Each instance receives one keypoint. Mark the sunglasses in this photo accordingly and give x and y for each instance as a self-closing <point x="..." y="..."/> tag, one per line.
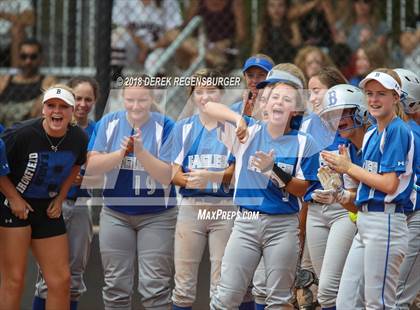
<point x="365" y="1"/>
<point x="24" y="56"/>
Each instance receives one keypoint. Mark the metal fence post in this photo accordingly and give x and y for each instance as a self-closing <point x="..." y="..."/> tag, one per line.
<point x="103" y="52"/>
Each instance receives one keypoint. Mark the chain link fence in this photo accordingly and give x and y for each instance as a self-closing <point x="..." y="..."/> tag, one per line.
<point x="111" y="39"/>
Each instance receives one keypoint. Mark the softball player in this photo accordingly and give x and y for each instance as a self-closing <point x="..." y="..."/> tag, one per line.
<point x="348" y="113"/>
<point x="409" y="282"/>
<point x="329" y="231"/>
<point x="138" y="218"/>
<point x="255" y="70"/>
<point x="77" y="217"/>
<point x="274" y="235"/>
<point x="203" y="172"/>
<point x="45" y="156"/>
<point x="385" y="187"/>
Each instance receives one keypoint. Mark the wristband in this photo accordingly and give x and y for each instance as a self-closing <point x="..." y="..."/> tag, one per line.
<point x="280" y="177"/>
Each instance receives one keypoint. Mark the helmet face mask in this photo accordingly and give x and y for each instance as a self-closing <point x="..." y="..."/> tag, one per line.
<point x="338" y="120"/>
<point x="342" y="103"/>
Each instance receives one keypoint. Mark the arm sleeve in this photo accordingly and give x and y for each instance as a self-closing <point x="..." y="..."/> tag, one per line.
<point x="165" y="153"/>
<point x="395" y="147"/>
<point x="308" y="162"/>
<point x="98" y="139"/>
<point x="227" y="134"/>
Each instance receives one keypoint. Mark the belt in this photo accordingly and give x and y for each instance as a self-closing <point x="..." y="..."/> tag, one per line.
<point x="389" y="208"/>
<point x="210" y="200"/>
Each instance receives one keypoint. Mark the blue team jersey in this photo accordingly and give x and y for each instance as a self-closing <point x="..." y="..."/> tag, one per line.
<point x="294" y="153"/>
<point x="391" y="150"/>
<point x="415" y="198"/>
<point x="1" y="128"/>
<point x="195" y="147"/>
<point x="130" y="180"/>
<point x="325" y="140"/>
<point x="237" y="107"/>
<point x="76" y="191"/>
<point x="4" y="167"/>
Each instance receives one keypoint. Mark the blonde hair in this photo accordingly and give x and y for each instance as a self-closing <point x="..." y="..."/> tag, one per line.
<point x="300" y="58"/>
<point x="295" y="71"/>
<point x="376" y="54"/>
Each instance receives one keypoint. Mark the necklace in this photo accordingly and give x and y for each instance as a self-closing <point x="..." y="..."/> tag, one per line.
<point x="54" y="148"/>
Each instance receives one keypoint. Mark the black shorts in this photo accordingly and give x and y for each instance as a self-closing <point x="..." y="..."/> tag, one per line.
<point x="42" y="226"/>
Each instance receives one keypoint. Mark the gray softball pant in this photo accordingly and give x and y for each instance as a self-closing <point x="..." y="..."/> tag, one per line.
<point x="78" y="222"/>
<point x="191" y="236"/>
<point x="259" y="286"/>
<point x="371" y="272"/>
<point x="275" y="239"/>
<point x="329" y="235"/>
<point x="149" y="238"/>
<point x="409" y="282"/>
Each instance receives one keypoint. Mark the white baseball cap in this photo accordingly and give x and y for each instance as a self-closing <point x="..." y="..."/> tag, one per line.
<point x="385" y="79"/>
<point x="59" y="93"/>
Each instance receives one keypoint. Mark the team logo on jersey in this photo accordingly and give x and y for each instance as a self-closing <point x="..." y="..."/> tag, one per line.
<point x="371" y="166"/>
<point x="131" y="163"/>
<point x="322" y="162"/>
<point x="400" y="163"/>
<point x="251" y="164"/>
<point x="206" y="161"/>
<point x="29" y="173"/>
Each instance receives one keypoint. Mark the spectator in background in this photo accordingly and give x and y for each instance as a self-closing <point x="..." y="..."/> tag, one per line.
<point x="20" y="94"/>
<point x="410" y="48"/>
<point x="368" y="57"/>
<point x="15" y="17"/>
<point x="255" y="70"/>
<point x="276" y="36"/>
<point x="310" y="59"/>
<point x="224" y="21"/>
<point x="362" y="25"/>
<point x="141" y="29"/>
<point x="316" y="21"/>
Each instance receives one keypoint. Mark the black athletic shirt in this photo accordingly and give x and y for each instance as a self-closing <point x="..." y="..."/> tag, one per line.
<point x="21" y="92"/>
<point x="35" y="169"/>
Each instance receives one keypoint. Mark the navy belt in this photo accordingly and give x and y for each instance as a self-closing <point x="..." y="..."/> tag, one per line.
<point x="389" y="208"/>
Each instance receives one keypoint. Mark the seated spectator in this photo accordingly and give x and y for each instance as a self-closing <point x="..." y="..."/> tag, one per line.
<point x="410" y="48"/>
<point x="224" y="22"/>
<point x="368" y="57"/>
<point x="310" y="59"/>
<point x="316" y="21"/>
<point x="20" y="94"/>
<point x="362" y="25"/>
<point x="276" y="36"/>
<point x="141" y="29"/>
<point x="15" y="17"/>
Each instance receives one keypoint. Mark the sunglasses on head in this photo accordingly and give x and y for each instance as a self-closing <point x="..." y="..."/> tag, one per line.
<point x="24" y="56"/>
<point x="365" y="1"/>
